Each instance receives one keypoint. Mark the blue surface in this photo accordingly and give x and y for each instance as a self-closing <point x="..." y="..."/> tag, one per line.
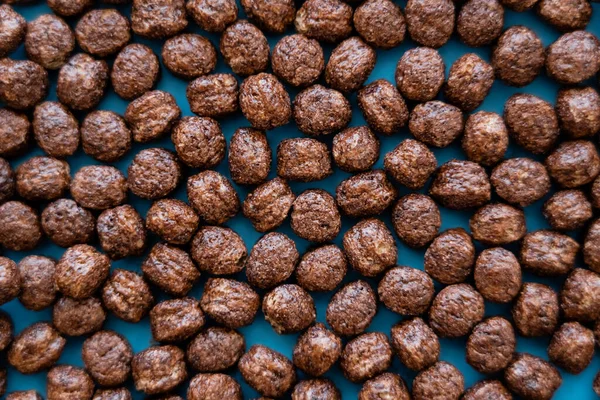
<point x="260" y="332"/>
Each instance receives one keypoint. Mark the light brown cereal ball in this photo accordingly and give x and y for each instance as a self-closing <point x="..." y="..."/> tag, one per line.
<point x="480" y="22"/>
<point x="498" y="224"/>
<point x="171" y="269"/>
<point x="380" y="23"/>
<point x="213" y="15"/>
<point x="321" y="111"/>
<point x="49" y="41"/>
<point x="268" y="205"/>
<point x="213" y="197"/>
<point x="38" y="289"/>
<point x="578" y="111"/>
<point x="265" y="102"/>
<point x="36" y="348"/>
<point x="66" y="381"/>
<point x="430" y="22"/>
<point x="355" y="149"/>
<point x="78" y="317"/>
<point x="82" y="82"/>
<point x="146" y="22"/>
<point x="420" y="74"/>
<point x="417" y="346"/>
<point x="370" y="247"/>
<point x="520" y="181"/>
<point x="105" y="136"/>
<point x="289" y="309"/>
<point x="317" y="350"/>
<point x="218" y="251"/>
<point x="267" y="371"/>
<point x="406" y="291"/>
<point x="349" y="65"/>
<point x="491" y="345"/>
<point x="42" y="178"/>
<point x="535" y="312"/>
<point x="158" y="369"/>
<point x="497" y="275"/>
<point x="272" y="260"/>
<point x="249" y="157"/>
<point x="315" y="216"/>
<point x="460" y="185"/>
<point x="229" y="302"/>
<point x="272" y="16"/>
<point x="574" y="164"/>
<point x="135" y="71"/>
<point x="531" y="377"/>
<point x="573" y="57"/>
<point x="485" y="138"/>
<point x="173" y="220"/>
<point x="324" y="20"/>
<point x="298" y="60"/>
<point x="567" y="210"/>
<point x="20" y="228"/>
<point x="244" y="48"/>
<point x="214" y="95"/>
<point x="366" y="356"/>
<point x="382" y="106"/>
<point x="572" y="347"/>
<point x="441" y="380"/>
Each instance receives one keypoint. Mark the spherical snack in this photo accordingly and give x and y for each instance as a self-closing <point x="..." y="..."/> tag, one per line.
<point x="135" y="71"/>
<point x="430" y="22"/>
<point x="159" y="369"/>
<point x="520" y="181"/>
<point x="78" y="317"/>
<point x="531" y="377"/>
<point x="38" y="290"/>
<point x="485" y="138"/>
<point x="102" y="32"/>
<point x="456" y="310"/>
<point x="370" y="247"/>
<point x="265" y="102"/>
<point x="460" y="185"/>
<point x="591" y="246"/>
<point x="20" y="228"/>
<point x="480" y="22"/>
<point x="567" y="15"/>
<point x="36" y="348"/>
<point x="69" y="8"/>
<point x="572" y="347"/>
<point x="491" y="345"/>
<point x="519" y="56"/>
<point x="7" y="181"/>
<point x="153" y="173"/>
<point x="315" y="216"/>
<point x="66" y="381"/>
<point x="324" y="20"/>
<point x="436" y="123"/>
<point x="105" y="136"/>
<point x="382" y="106"/>
<point x="498" y="224"/>
<point x="127" y="295"/>
<point x="249" y="156"/>
<point x="171" y="269"/>
<point x="42" y="179"/>
<point x="578" y="111"/>
<point x="10" y="280"/>
<point x="440" y="381"/>
<point x="380" y="23"/>
<point x="535" y="311"/>
<point x="349" y="65"/>
<point x="488" y="389"/>
<point x="450" y="257"/>
<point x="214" y="387"/>
<point x="176" y="320"/>
<point x="322" y="269"/>
<point x="497" y="275"/>
<point x="272" y="16"/>
<point x="420" y="74"/>
<point x="574" y="164"/>
<point x="112" y="394"/>
<point x="267" y="371"/>
<point x="6" y="330"/>
<point x="189" y="55"/>
<point x="229" y="302"/>
<point x="214" y="95"/>
<point x="580" y="295"/>
<point x="272" y="260"/>
<point x="289" y="309"/>
<point x="67" y="224"/>
<point x="567" y="210"/>
<point x="24" y="83"/>
<point x="297" y="60"/>
<point x="355" y="149"/>
<point x="321" y="111"/>
<point x="268" y="205"/>
<point x="411" y="164"/>
<point x="417" y="346"/>
<point x="215" y="349"/>
<point x="13" y="28"/>
<point x="82" y="82"/>
<point x="199" y="142"/>
<point x="213" y="197"/>
<point x="366" y="356"/>
<point x="28" y="395"/>
<point x="244" y="48"/>
<point x="416" y="219"/>
<point x="121" y="232"/>
<point x="303" y="159"/>
<point x="316" y="388"/>
<point x="352" y="309"/>
<point x="151" y="115"/>
<point x="317" y="350"/>
<point x="14" y="133"/>
<point x="519" y="5"/>
<point x="218" y="251"/>
<point x="49" y="41"/>
<point x="107" y="357"/>
<point x="469" y="82"/>
<point x="147" y="22"/>
<point x="386" y="385"/>
<point x="213" y="15"/>
<point x="406" y="291"/>
<point x="573" y="57"/>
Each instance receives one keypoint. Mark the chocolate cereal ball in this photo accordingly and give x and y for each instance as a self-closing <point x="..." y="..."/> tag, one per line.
<point x="6" y="330"/>
<point x="13" y="28"/>
<point x="385" y="385"/>
<point x="531" y="377"/>
<point x="411" y="164"/>
<point x="324" y="20"/>
<point x="20" y="228"/>
<point x="213" y="15"/>
<point x="297" y="59"/>
<point x="176" y="320"/>
<point x="485" y="138"/>
<point x="49" y="41"/>
<point x="78" y="317"/>
<point x="497" y="275"/>
<point x="382" y="106"/>
<point x="42" y="179"/>
<point x="153" y="173"/>
<point x="82" y="82"/>
<point x="135" y="71"/>
<point x="272" y="16"/>
<point x="105" y="136"/>
<point x="69" y="8"/>
<point x="565" y="15"/>
<point x="229" y="302"/>
<point x="214" y="95"/>
<point x="121" y="232"/>
<point x="289" y="309"/>
<point x="303" y="159"/>
<point x="572" y="347"/>
<point x="55" y="129"/>
<point x="24" y="83"/>
<point x="38" y="290"/>
<point x="498" y="224"/>
<point x="218" y="251"/>
<point x="265" y="102"/>
<point x="272" y="260"/>
<point x="488" y="389"/>
<point x="580" y="295"/>
<point x="415" y="344"/>
<point x="519" y="5"/>
<point x="349" y="65"/>
<point x="491" y="345"/>
<point x="578" y="111"/>
<point x="436" y="123"/>
<point x="66" y="381"/>
<point x="480" y="22"/>
<point x="460" y="185"/>
<point x="151" y="115"/>
<point x="355" y="149"/>
<point x="322" y="269"/>
<point x="574" y="164"/>
<point x="406" y="291"/>
<point x="267" y="371"/>
<point x="518" y="57"/>
<point x="430" y="22"/>
<point x="214" y="387"/>
<point x="244" y="48"/>
<point x="7" y="181"/>
<point x="317" y="350"/>
<point x="380" y="23"/>
<point x="450" y="257"/>
<point x="127" y="295"/>
<point x="28" y="395"/>
<point x="67" y="224"/>
<point x="112" y="394"/>
<point x="352" y="309"/>
<point x="249" y="156"/>
<point x="171" y="269"/>
<point x="416" y="219"/>
<point x="321" y="111"/>
<point x="102" y="32"/>
<point x="520" y="181"/>
<point x="189" y="55"/>
<point x="420" y="74"/>
<point x="199" y="142"/>
<point x="10" y="280"/>
<point x="535" y="311"/>
<point x="567" y="210"/>
<point x="370" y="247"/>
<point x="268" y="205"/>
<point x="315" y="216"/>
<point x="107" y="358"/>
<point x="573" y="57"/>
<point x="147" y="22"/>
<point x="14" y="133"/>
<point x="469" y="82"/>
<point x="366" y="356"/>
<point x="213" y="197"/>
<point x="316" y="388"/>
<point x="215" y="349"/>
<point x="591" y="247"/>
<point x="441" y="380"/>
<point x="36" y="348"/>
<point x="456" y="310"/>
<point x="158" y="369"/>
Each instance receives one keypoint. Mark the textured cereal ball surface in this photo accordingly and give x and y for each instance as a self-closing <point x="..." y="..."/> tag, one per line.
<point x="82" y="82"/>
<point x="13" y="29"/>
<point x="317" y="350"/>
<point x="112" y="394"/>
<point x="349" y="65"/>
<point x="176" y="320"/>
<point x="456" y="310"/>
<point x="289" y="309"/>
<point x="322" y="269"/>
<point x="151" y="115"/>
<point x="320" y="388"/>
<point x="102" y="32"/>
<point x="430" y="22"/>
<point x="214" y="95"/>
<point x="10" y="281"/>
<point x="591" y="247"/>
<point x="153" y="173"/>
<point x="415" y="344"/>
<point x="531" y="377"/>
<point x="249" y="156"/>
<point x="303" y="159"/>
<point x="485" y="138"/>
<point x="267" y="371"/>
<point x="99" y="187"/>
<point x="579" y="295"/>
<point x="574" y="164"/>
<point x="66" y="8"/>
<point x="105" y="136"/>
<point x="171" y="269"/>
<point x="519" y="5"/>
<point x="78" y="317"/>
<point x="498" y="224"/>
<point x="218" y="251"/>
<point x="520" y="181"/>
<point x="135" y="71"/>
<point x="213" y="15"/>
<point x="365" y="194"/>
<point x="214" y="386"/>
<point x="469" y="82"/>
<point x="7" y="181"/>
<point x="491" y="345"/>
<point x="158" y="369"/>
<point x="146" y="22"/>
<point x="6" y="330"/>
<point x="355" y="149"/>
<point x="66" y="223"/>
<point x="297" y="59"/>
<point x="460" y="185"/>
<point x="567" y="210"/>
<point x="213" y="197"/>
<point x="383" y="107"/>
<point x="107" y="358"/>
<point x="66" y="381"/>
<point x="480" y="22"/>
<point x="488" y="389"/>
<point x="572" y="347"/>
<point x="189" y="55"/>
<point x="565" y="15"/>
<point x="199" y="142"/>
<point x="15" y="131"/>
<point x="497" y="275"/>
<point x="272" y="260"/>
<point x="573" y="57"/>
<point x="370" y="247"/>
<point x="20" y="228"/>
<point x="265" y="102"/>
<point x="121" y="232"/>
<point x="215" y="349"/>
<point x="55" y="129"/>
<point x="271" y="16"/>
<point x="321" y="111"/>
<point x="450" y="257"/>
<point x="24" y="83"/>
<point x="436" y="123"/>
<point x="49" y="41"/>
<point x="380" y="23"/>
<point x="324" y="20"/>
<point x="38" y="290"/>
<point x="230" y="303"/>
<point x="411" y="164"/>
<point x="245" y="48"/>
<point x="518" y="57"/>
<point x="36" y="348"/>
<point x="416" y="219"/>
<point x="420" y="74"/>
<point x="42" y="178"/>
<point x="385" y="385"/>
<point x="127" y="295"/>
<point x="535" y="312"/>
<point x="578" y="111"/>
<point x="441" y="380"/>
<point x="268" y="205"/>
<point x="406" y="291"/>
<point x="366" y="356"/>
<point x="352" y="309"/>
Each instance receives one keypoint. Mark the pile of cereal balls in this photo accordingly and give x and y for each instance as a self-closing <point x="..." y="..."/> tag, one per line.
<point x="199" y="340"/>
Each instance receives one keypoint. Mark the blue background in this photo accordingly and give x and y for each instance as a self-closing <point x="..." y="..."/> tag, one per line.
<point x="139" y="335"/>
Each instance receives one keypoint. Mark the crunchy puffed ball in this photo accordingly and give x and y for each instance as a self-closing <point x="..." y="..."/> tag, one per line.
<point x="322" y="269"/>
<point x="567" y="15"/>
<point x="411" y="164"/>
<point x="531" y="377"/>
<point x="572" y="347"/>
<point x="488" y="389"/>
<point x="485" y="138"/>
<point x="66" y="381"/>
<point x="303" y="159"/>
<point x="268" y="205"/>
<point x="380" y="23"/>
<point x="365" y="194"/>
<point x="352" y="309"/>
<point x="298" y="60"/>
<point x="456" y="310"/>
<point x="102" y="32"/>
<point x="218" y="251"/>
<point x="580" y="296"/>
<point x="36" y="348"/>
<point x="315" y="388"/>
<point x="82" y="82"/>
<point x="38" y="289"/>
<point x="430" y="22"/>
<point x="265" y="102"/>
<point x="20" y="228"/>
<point x="382" y="106"/>
<point x="317" y="350"/>
<point x="105" y="136"/>
<point x="173" y="220"/>
<point x="573" y="57"/>
<point x="147" y="22"/>
<point x="10" y="280"/>
<point x="14" y="133"/>
<point x="386" y="385"/>
<point x="420" y="74"/>
<point x="135" y="71"/>
<point x="450" y="257"/>
<point x="171" y="269"/>
<point x="153" y="173"/>
<point x="324" y="20"/>
<point x="497" y="275"/>
<point x="491" y="345"/>
<point x="199" y="142"/>
<point x="498" y="224"/>
<point x="406" y="291"/>
<point x="127" y="295"/>
<point x="49" y="41"/>
<point x="441" y="380"/>
<point x="7" y="181"/>
<point x="176" y="320"/>
<point x="415" y="344"/>
<point x="436" y="123"/>
<point x="518" y="57"/>
<point x="69" y="8"/>
<point x="574" y="164"/>
<point x="366" y="356"/>
<point x="520" y="181"/>
<point x="321" y="111"/>
<point x="355" y="149"/>
<point x="370" y="247"/>
<point x="213" y="15"/>
<point x="215" y="349"/>
<point x="480" y="22"/>
<point x="267" y="371"/>
<point x="229" y="302"/>
<point x="6" y="330"/>
<point x="67" y="224"/>
<point x="151" y="115"/>
<point x="469" y="82"/>
<point x="349" y="65"/>
<point x="271" y="15"/>
<point x="42" y="178"/>
<point x="249" y="156"/>
<point x="213" y="197"/>
<point x="13" y="27"/>
<point x="214" y="387"/>
<point x="159" y="369"/>
<point x="567" y="210"/>
<point x="416" y="219"/>
<point x="591" y="247"/>
<point x="24" y="83"/>
<point x="535" y="311"/>
<point x="519" y="5"/>
<point x="272" y="260"/>
<point x="189" y="55"/>
<point x="245" y="48"/>
<point x="214" y="95"/>
<point x="107" y="358"/>
<point x="78" y="317"/>
<point x="578" y="111"/>
<point x="315" y="216"/>
<point x="112" y="394"/>
<point x="289" y="309"/>
<point x="121" y="232"/>
<point x="29" y="395"/>
<point x="460" y="185"/>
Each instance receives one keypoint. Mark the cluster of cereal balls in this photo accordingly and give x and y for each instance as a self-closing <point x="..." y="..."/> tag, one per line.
<point x="199" y="339"/>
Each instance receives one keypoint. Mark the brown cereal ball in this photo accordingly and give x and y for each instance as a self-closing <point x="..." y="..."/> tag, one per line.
<point x="366" y="356"/>
<point x="567" y="15"/>
<point x="42" y="179"/>
<point x="49" y="41"/>
<point x="430" y="22"/>
<point x="272" y="260"/>
<point x="147" y="22"/>
<point x="176" y="320"/>
<point x="127" y="295"/>
<point x="382" y="105"/>
<point x="69" y="8"/>
<point x="10" y="280"/>
<point x="213" y="197"/>
<point x="36" y="348"/>
<point x="6" y="330"/>
<point x="573" y="57"/>
<point x="121" y="232"/>
<point x="297" y="60"/>
<point x="417" y="346"/>
<point x="249" y="156"/>
<point x="386" y="385"/>
<point x="112" y="394"/>
<point x="316" y="389"/>
<point x="469" y="82"/>
<point x="580" y="296"/>
<point x="66" y="381"/>
<point x="171" y="269"/>
<point x="135" y="71"/>
<point x="265" y="102"/>
<point x="485" y="138"/>
<point x="324" y="20"/>
<point x="322" y="269"/>
<point x="78" y="317"/>
<point x="214" y="95"/>
<point x="567" y="210"/>
<point x="370" y="247"/>
<point x="591" y="247"/>
<point x="491" y="345"/>
<point x="535" y="311"/>
<point x="450" y="257"/>
<point x="574" y="164"/>
<point x="519" y="56"/>
<point x="411" y="164"/>
<point x="456" y="310"/>
<point x="317" y="350"/>
<point x="82" y="82"/>
<point x="595" y="193"/>
<point x="199" y="142"/>
<point x="380" y="23"/>
<point x="460" y="185"/>
<point x="321" y="111"/>
<point x="229" y="302"/>
<point x="55" y="129"/>
<point x="352" y="309"/>
<point x="28" y="395"/>
<point x="420" y="74"/>
<point x="519" y="5"/>
<point x="7" y="181"/>
<point x="520" y="181"/>
<point x="153" y="173"/>
<point x="289" y="309"/>
<point x="497" y="275"/>
<point x="102" y="32"/>
<point x="272" y="16"/>
<point x="498" y="224"/>
<point x="213" y="15"/>
<point x="267" y="371"/>
<point x="189" y="55"/>
<point x="531" y="377"/>
<point x="14" y="133"/>
<point x="268" y="205"/>
<point x="406" y="291"/>
<point x="480" y="22"/>
<point x="489" y="389"/>
<point x="578" y="111"/>
<point x="355" y="149"/>
<point x="315" y="216"/>
<point x="244" y="48"/>
<point x="151" y="115"/>
<point x="107" y="358"/>
<point x="24" y="83"/>
<point x="214" y="387"/>
<point x="20" y="228"/>
<point x="441" y="380"/>
<point x="215" y="349"/>
<point x="38" y="290"/>
<point x="572" y="347"/>
<point x="303" y="159"/>
<point x="436" y="123"/>
<point x="105" y="136"/>
<point x="13" y="27"/>
<point x="67" y="224"/>
<point x="349" y="65"/>
<point x="416" y="219"/>
<point x="159" y="369"/>
<point x="218" y="251"/>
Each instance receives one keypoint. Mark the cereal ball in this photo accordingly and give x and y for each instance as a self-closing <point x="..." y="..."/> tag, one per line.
<point x="127" y="295"/>
<point x="20" y="228"/>
<point x="176" y="320"/>
<point x="497" y="275"/>
<point x="420" y="74"/>
<point x="406" y="291"/>
<point x="69" y="8"/>
<point x="249" y="156"/>
<point x="303" y="159"/>
<point x="6" y="330"/>
<point x="229" y="302"/>
<point x="3" y="382"/>
<point x="491" y="345"/>
<point x="121" y="232"/>
<point x="82" y="82"/>
<point x="215" y="349"/>
<point x="573" y="57"/>
<point x="49" y="41"/>
<point x="324" y="20"/>
<point x="535" y="311"/>
<point x="460" y="185"/>
<point x="565" y="15"/>
<point x="14" y="133"/>
<point x="572" y="347"/>
<point x="480" y="22"/>
<point x="36" y="348"/>
<point x="297" y="59"/>
<point x="268" y="205"/>
<point x="436" y="123"/>
<point x="416" y="219"/>
<point x="78" y="317"/>
<point x="107" y="358"/>
<point x="567" y="210"/>
<point x="135" y="71"/>
<point x="13" y="29"/>
<point x="519" y="56"/>
<point x="456" y="310"/>
<point x="153" y="173"/>
<point x="38" y="290"/>
<point x="214" y="95"/>
<point x="112" y="394"/>
<point x="315" y="216"/>
<point x="349" y="65"/>
<point x="430" y="22"/>
<point x="355" y="149"/>
<point x="265" y="102"/>
<point x="485" y="138"/>
<point x="417" y="346"/>
<point x="366" y="356"/>
<point x="580" y="296"/>
<point x="105" y="136"/>
<point x="591" y="247"/>
<point x="218" y="251"/>
<point x="441" y="380"/>
<point x="26" y="395"/>
<point x="102" y="32"/>
<point x="450" y="257"/>
<point x="386" y="385"/>
<point x="267" y="371"/>
<point x="315" y="388"/>
<point x="489" y="389"/>
<point x="380" y="23"/>
<point x="520" y="181"/>
<point x="469" y="82"/>
<point x="147" y="22"/>
<point x="317" y="350"/>
<point x="213" y="15"/>
<point x="370" y="247"/>
<point x="289" y="309"/>
<point x="272" y="260"/>
<point x="151" y="115"/>
<point x="272" y="16"/>
<point x="7" y="181"/>
<point x="171" y="269"/>
<point x="66" y="381"/>
<point x="382" y="105"/>
<point x="24" y="83"/>
<point x="519" y="5"/>
<point x="159" y="369"/>
<point x="214" y="387"/>
<point x="498" y="224"/>
<point x="10" y="280"/>
<point x="199" y="142"/>
<point x="531" y="377"/>
<point x="244" y="48"/>
<point x="411" y="164"/>
<point x="352" y="309"/>
<point x="322" y="269"/>
<point x="42" y="178"/>
<point x="213" y="197"/>
<point x="68" y="224"/>
<point x="578" y="111"/>
<point x="321" y="111"/>
<point x="574" y="164"/>
<point x="189" y="55"/>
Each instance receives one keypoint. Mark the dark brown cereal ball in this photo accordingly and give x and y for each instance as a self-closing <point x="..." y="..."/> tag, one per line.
<point x="355" y="149"/>
<point x="289" y="309"/>
<point x="171" y="269"/>
<point x="38" y="290"/>
<point x="147" y="22"/>
<point x="176" y="320"/>
<point x="7" y="181"/>
<point x="380" y="23"/>
<point x="436" y="123"/>
<point x="105" y="136"/>
<point x="10" y="280"/>
<point x="322" y="269"/>
<point x="199" y="142"/>
<point x="102" y="32"/>
<point x="574" y="164"/>
<point x="480" y="22"/>
<point x="153" y="173"/>
<point x="229" y="302"/>
<point x="349" y="65"/>
<point x="20" y="228"/>
<point x="265" y="102"/>
<point x="420" y="74"/>
<point x="386" y="385"/>
<point x="417" y="346"/>
<point x="519" y="56"/>
<point x="498" y="224"/>
<point x="578" y="111"/>
<point x="42" y="178"/>
<point x="6" y="330"/>
<point x="491" y="345"/>
<point x="406" y="291"/>
<point x="485" y="138"/>
<point x="127" y="295"/>
<point x="416" y="219"/>
<point x="488" y="389"/>
<point x="244" y="48"/>
<point x="135" y="71"/>
<point x="531" y="377"/>
<point x="303" y="159"/>
<point x="82" y="82"/>
<point x="520" y="181"/>
<point x="78" y="317"/>
<point x="315" y="216"/>
<point x="3" y="382"/>
<point x="366" y="356"/>
<point x="594" y="193"/>
<point x="36" y="348"/>
<point x="272" y="16"/>
<point x="213" y="15"/>
<point x="519" y="5"/>
<point x="214" y="95"/>
<point x="112" y="394"/>
<point x="24" y="83"/>
<point x="189" y="55"/>
<point x="67" y="224"/>
<point x="13" y="27"/>
<point x="268" y="205"/>
<point x="321" y="111"/>
<point x="159" y="369"/>
<point x="352" y="309"/>
<point x="55" y="129"/>
<point x="66" y="381"/>
<point x="573" y="57"/>
<point x="215" y="349"/>
<point x="121" y="232"/>
<point x="249" y="156"/>
<point x="151" y="115"/>
<point x="214" y="387"/>
<point x="324" y="20"/>
<point x="382" y="105"/>
<point x="272" y="260"/>
<point x="591" y="247"/>
<point x="497" y="275"/>
<point x="14" y="133"/>
<point x="565" y="15"/>
<point x="567" y="210"/>
<point x="317" y="350"/>
<point x="430" y="22"/>
<point x="460" y="185"/>
<point x="49" y="41"/>
<point x="266" y="371"/>
<point x="469" y="82"/>
<point x="450" y="257"/>
<point x="580" y="296"/>
<point x="535" y="311"/>
<point x="69" y="8"/>
<point x="31" y="395"/>
<point x="297" y="59"/>
<point x="572" y="347"/>
<point x="370" y="247"/>
<point x="440" y="381"/>
<point x="456" y="310"/>
<point x="213" y="197"/>
<point x="316" y="389"/>
<point x="411" y="164"/>
<point x="218" y="251"/>
<point x="107" y="358"/>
